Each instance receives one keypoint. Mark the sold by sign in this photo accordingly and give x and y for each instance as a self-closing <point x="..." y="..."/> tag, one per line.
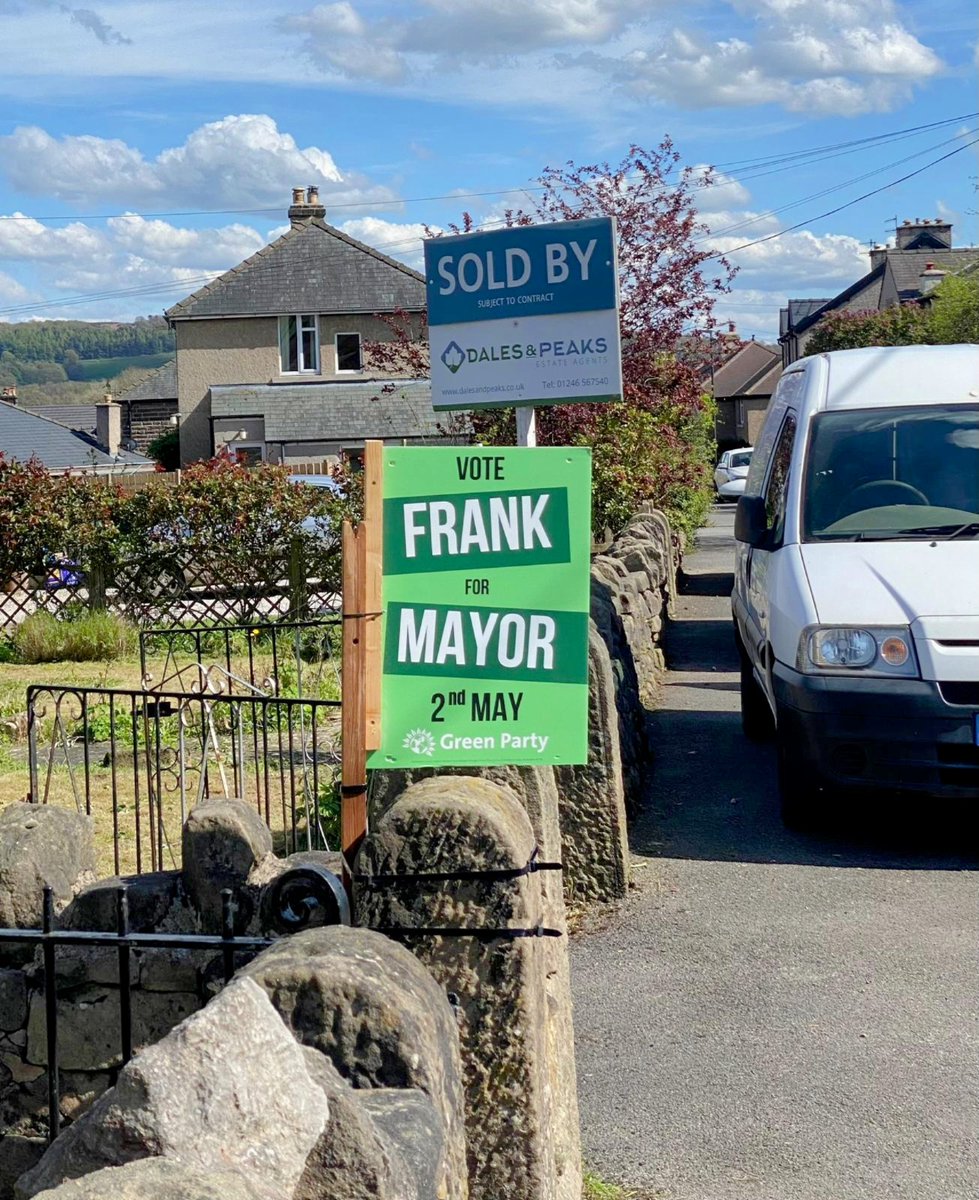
<point x="486" y="594"/>
<point x="524" y="316"/>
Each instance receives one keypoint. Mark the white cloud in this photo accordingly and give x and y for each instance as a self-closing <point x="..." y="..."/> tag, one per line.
<point x="242" y="161"/>
<point x="24" y="239"/>
<point x="400" y="241"/>
<point x="796" y="262"/>
<point x="475" y="31"/>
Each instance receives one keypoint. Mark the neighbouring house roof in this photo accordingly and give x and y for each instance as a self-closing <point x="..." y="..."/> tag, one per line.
<point x="334" y="412"/>
<point x="903" y="267"/>
<point x="160" y="384"/>
<point x="798" y="310"/>
<point x="80" y="417"/>
<point x="25" y="435"/>
<point x="746" y="370"/>
<point x="311" y="268"/>
<point x="906" y="267"/>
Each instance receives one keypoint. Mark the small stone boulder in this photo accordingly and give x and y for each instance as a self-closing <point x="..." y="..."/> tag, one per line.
<point x="380" y="1143"/>
<point x="158" y="1179"/>
<point x="371" y="1007"/>
<point x="229" y="1086"/>
<point x="150" y="897"/>
<point x="40" y="845"/>
<point x="224" y="841"/>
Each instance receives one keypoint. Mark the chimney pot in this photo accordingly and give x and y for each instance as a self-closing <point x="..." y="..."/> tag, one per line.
<point x="298" y="196"/>
<point x="313" y="195"/>
<point x="9" y="395"/>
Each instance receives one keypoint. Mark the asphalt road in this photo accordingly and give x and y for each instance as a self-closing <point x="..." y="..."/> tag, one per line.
<point x="771" y="1016"/>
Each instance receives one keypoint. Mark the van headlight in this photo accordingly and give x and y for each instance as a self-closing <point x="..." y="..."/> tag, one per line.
<point x="872" y="650"/>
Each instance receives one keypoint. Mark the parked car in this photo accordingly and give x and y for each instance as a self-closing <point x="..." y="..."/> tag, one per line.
<point x="319" y="527"/>
<point x="855" y="596"/>
<point x="731" y="472"/>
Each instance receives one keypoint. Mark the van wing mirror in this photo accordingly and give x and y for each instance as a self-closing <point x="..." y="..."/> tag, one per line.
<point x="751" y="521"/>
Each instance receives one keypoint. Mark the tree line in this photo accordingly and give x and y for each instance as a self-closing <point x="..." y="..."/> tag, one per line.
<point x="51" y="351"/>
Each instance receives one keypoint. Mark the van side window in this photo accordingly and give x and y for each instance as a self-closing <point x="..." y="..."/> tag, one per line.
<point x="778" y="481"/>
<point x="790" y="386"/>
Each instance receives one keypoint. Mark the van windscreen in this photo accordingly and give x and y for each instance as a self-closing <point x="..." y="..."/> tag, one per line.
<point x="875" y="474"/>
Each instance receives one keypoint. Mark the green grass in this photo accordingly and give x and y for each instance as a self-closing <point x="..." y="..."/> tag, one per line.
<point x="596" y="1188"/>
<point x="109" y="368"/>
<point x="93" y="637"/>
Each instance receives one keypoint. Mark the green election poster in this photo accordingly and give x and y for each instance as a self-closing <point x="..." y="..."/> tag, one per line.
<point x="486" y="595"/>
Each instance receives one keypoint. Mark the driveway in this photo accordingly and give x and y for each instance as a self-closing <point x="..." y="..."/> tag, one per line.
<point x="771" y="1016"/>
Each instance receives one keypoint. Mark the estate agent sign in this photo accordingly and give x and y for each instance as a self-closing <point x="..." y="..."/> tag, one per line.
<point x="524" y="316"/>
<point x="486" y="593"/>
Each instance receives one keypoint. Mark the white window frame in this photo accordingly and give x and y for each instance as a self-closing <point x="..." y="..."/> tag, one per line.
<point x="238" y="447"/>
<point x="305" y="323"/>
<point x="336" y="352"/>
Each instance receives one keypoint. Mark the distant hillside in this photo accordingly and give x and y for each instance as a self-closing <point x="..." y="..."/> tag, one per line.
<point x="42" y="354"/>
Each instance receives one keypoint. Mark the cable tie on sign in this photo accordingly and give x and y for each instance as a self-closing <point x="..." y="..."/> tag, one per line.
<point x="349" y="790"/>
<point x="505" y="875"/>
<point x="356" y="616"/>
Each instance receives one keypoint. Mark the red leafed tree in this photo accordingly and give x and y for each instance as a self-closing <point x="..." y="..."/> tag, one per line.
<point x="668" y="286"/>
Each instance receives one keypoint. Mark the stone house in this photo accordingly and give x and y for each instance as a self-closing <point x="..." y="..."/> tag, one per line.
<point x="922" y="256"/>
<point x="148" y="408"/>
<point x="273" y="356"/>
<point x="742" y="387"/>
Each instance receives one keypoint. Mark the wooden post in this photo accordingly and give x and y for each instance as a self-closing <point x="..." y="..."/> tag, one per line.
<point x="374" y="522"/>
<point x="353" y="713"/>
<point x="297" y="581"/>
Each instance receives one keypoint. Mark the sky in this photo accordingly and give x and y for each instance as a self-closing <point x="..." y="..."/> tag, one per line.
<point x="148" y="145"/>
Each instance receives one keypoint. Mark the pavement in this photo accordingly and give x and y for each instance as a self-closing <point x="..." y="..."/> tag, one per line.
<point x="770" y="1016"/>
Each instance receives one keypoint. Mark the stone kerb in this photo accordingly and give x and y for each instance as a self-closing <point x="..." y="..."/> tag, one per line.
<point x="516" y="1036"/>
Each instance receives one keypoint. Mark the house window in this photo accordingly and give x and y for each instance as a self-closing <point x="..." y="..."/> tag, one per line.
<point x="348" y="352"/>
<point x="248" y="454"/>
<point x="299" y="344"/>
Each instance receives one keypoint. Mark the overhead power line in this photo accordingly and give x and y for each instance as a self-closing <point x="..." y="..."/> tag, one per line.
<point x="781" y="162"/>
<point x="849" y="204"/>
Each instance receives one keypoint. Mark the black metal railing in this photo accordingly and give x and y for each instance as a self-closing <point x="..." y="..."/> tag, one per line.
<point x="300" y="658"/>
<point x="298" y="899"/>
<point x="138" y="761"/>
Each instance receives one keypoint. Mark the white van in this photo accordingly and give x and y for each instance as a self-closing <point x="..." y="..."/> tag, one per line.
<point x="856" y="594"/>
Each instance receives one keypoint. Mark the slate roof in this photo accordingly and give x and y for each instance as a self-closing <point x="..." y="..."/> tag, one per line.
<point x="73" y="416"/>
<point x="333" y="412"/>
<point x="25" y="435"/>
<point x="745" y="370"/>
<point x="160" y="384"/>
<point x="311" y="268"/>
<point x="907" y="265"/>
<point x="799" y="310"/>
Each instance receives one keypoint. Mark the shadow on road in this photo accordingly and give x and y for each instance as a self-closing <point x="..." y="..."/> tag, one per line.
<point x="708" y="583"/>
<point x="714" y="796"/>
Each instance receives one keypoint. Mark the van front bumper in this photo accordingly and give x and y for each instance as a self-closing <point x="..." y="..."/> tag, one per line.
<point x="880" y="733"/>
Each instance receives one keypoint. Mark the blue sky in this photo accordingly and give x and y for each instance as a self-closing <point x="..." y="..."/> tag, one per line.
<point x="146" y="145"/>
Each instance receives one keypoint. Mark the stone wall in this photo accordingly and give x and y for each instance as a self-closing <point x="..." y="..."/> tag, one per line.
<point x="226" y="845"/>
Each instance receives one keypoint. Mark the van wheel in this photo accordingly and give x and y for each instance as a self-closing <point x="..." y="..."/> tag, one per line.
<point x="802" y="794"/>
<point x="756" y="716"/>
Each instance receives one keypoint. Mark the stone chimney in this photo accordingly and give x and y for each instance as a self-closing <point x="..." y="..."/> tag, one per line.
<point x="9" y="395"/>
<point x="878" y="255"/>
<point x="924" y="235"/>
<point x="930" y="278"/>
<point x="108" y="425"/>
<point x="305" y="206"/>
